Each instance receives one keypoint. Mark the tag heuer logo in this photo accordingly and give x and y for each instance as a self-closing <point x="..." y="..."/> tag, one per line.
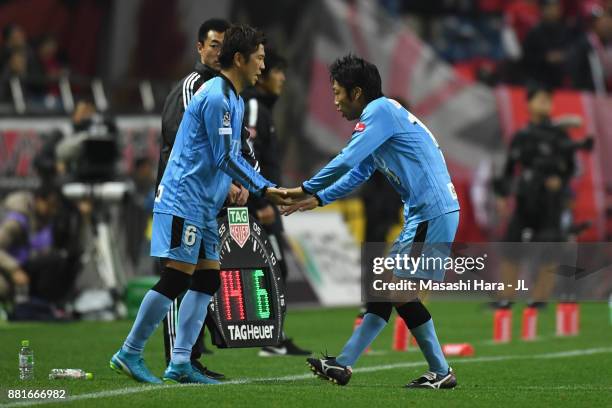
<point x="226" y="119"/>
<point x="239" y="227"/>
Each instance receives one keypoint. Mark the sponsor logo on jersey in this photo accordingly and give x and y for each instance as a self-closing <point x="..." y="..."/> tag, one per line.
<point x="359" y="127"/>
<point x="227" y="121"/>
<point x="240" y="230"/>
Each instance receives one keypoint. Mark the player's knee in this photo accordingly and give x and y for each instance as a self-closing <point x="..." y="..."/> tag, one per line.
<point x="206" y="281"/>
<point x="381" y="309"/>
<point x="414" y="313"/>
<point x="172" y="282"/>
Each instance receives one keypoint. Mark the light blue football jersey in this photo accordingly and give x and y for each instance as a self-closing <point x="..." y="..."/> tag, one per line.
<point x="206" y="156"/>
<point x="392" y="140"/>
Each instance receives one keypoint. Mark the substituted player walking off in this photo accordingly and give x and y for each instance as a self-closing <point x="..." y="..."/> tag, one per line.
<point x="393" y="141"/>
<point x="210" y="39"/>
<point x="204" y="160"/>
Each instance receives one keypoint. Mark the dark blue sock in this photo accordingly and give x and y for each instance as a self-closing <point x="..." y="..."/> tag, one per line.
<point x="152" y="310"/>
<point x="425" y="335"/>
<point x="191" y="315"/>
<point x="370" y="327"/>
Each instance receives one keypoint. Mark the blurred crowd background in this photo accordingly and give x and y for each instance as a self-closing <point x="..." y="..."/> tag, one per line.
<point x="82" y="84"/>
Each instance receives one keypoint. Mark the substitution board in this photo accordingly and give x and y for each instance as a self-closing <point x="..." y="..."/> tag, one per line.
<point x="249" y="307"/>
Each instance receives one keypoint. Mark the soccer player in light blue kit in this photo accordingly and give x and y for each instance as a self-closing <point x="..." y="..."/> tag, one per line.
<point x="204" y="160"/>
<point x="393" y="141"/>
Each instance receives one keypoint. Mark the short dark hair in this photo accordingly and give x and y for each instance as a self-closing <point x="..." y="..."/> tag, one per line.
<point x="273" y="61"/>
<point x="214" y="24"/>
<point x="351" y="71"/>
<point x="240" y="38"/>
<point x="535" y="88"/>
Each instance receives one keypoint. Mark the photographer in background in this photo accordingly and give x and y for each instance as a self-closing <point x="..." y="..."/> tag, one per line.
<point x="35" y="271"/>
<point x="90" y="154"/>
<point x="539" y="167"/>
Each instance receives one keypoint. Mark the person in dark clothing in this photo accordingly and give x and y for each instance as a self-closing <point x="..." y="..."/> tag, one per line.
<point x="590" y="61"/>
<point x="544" y="153"/>
<point x="259" y="102"/>
<point x="210" y="39"/>
<point x="25" y="233"/>
<point x="544" y="48"/>
<point x="541" y="161"/>
<point x="41" y="268"/>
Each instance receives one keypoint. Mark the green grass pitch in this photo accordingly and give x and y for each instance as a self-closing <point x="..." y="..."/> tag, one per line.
<point x="551" y="371"/>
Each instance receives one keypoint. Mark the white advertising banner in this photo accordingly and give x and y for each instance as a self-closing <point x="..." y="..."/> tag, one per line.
<point x="329" y="254"/>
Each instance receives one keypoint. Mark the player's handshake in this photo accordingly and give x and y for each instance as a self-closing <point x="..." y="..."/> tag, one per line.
<point x="301" y="201"/>
<point x="278" y="196"/>
<point x="291" y="200"/>
<point x="306" y="204"/>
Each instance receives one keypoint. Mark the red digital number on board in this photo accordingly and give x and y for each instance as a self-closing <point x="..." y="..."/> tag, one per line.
<point x="231" y="285"/>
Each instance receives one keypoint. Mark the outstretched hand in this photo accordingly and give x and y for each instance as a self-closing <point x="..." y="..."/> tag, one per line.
<point x="306" y="204"/>
<point x="278" y="196"/>
<point x="297" y="193"/>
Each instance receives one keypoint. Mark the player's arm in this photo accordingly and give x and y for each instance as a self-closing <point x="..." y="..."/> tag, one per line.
<point x="226" y="151"/>
<point x="347" y="183"/>
<point x="341" y="188"/>
<point x="363" y="143"/>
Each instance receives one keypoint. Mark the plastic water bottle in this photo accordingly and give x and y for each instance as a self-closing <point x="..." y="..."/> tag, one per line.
<point x="75" y="373"/>
<point x="26" y="361"/>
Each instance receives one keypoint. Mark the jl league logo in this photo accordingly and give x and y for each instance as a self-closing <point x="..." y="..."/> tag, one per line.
<point x="239" y="227"/>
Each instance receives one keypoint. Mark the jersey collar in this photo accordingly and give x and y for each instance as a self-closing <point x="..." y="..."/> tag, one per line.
<point x="226" y="79"/>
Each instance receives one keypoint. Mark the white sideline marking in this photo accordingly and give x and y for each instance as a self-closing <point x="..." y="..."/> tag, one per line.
<point x="144" y="388"/>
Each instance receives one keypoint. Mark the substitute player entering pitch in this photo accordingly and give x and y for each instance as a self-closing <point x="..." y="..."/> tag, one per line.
<point x="393" y="141"/>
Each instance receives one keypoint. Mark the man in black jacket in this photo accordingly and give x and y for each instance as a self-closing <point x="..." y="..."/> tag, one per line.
<point x="590" y="62"/>
<point x="210" y="38"/>
<point x="258" y="103"/>
<point x="545" y="46"/>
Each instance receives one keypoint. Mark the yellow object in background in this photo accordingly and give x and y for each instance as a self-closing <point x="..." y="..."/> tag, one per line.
<point x="352" y="211"/>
